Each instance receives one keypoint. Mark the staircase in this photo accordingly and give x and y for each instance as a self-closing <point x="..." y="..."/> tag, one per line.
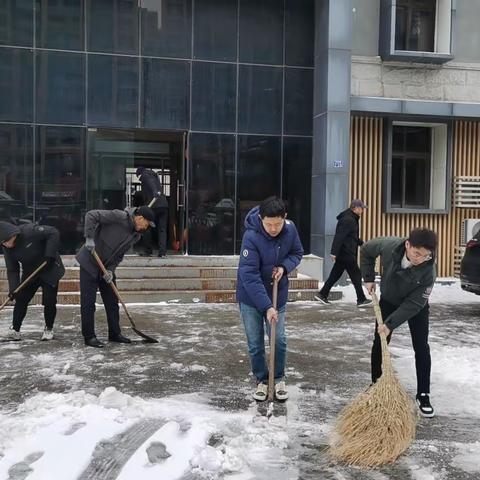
<point x="175" y="279"/>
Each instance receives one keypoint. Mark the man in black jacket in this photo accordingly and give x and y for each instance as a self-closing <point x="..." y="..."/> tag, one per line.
<point x="152" y="189"/>
<point x="344" y="253"/>
<point x="110" y="233"/>
<point x="30" y="245"/>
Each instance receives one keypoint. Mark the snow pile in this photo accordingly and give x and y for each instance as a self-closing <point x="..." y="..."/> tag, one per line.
<point x="55" y="436"/>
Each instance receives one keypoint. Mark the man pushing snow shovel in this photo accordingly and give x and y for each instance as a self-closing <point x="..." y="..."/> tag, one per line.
<point x="407" y="279"/>
<point x="271" y="248"/>
<point x="110" y="233"/>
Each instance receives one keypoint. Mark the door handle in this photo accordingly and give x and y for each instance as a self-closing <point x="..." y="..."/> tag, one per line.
<point x="180" y="201"/>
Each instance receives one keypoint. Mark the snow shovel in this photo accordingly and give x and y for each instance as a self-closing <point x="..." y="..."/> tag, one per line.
<point x="146" y="337"/>
<point x="27" y="280"/>
<point x="271" y="360"/>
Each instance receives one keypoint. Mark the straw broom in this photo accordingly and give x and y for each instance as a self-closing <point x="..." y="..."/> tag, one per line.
<point x="379" y="425"/>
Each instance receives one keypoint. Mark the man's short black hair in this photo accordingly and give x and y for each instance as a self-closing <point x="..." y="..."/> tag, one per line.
<point x="272" y="207"/>
<point x="423" y="237"/>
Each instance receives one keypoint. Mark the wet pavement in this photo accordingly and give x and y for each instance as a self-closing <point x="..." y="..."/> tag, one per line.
<point x="202" y="351"/>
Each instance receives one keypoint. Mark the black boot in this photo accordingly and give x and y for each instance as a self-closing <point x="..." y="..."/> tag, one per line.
<point x="119" y="339"/>
<point x="94" y="342"/>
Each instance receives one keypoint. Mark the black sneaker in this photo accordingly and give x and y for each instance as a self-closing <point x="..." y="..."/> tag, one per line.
<point x="364" y="303"/>
<point x="322" y="298"/>
<point x="423" y="401"/>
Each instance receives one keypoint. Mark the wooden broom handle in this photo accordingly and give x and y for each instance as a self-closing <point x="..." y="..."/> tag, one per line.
<point x="386" y="361"/>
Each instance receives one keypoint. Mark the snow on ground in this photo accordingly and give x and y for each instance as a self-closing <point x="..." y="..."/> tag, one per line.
<point x="184" y="412"/>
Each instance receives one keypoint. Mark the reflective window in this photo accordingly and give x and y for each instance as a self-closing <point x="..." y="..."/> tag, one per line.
<point x="16" y="84"/>
<point x="415" y="25"/>
<point x="112" y="90"/>
<point x="16" y="172"/>
<point x="297" y="173"/>
<point x="60" y="24"/>
<point x="215" y="28"/>
<point x="299" y="32"/>
<point x="113" y="26"/>
<point x="60" y="87"/>
<point x="16" y="23"/>
<point x="60" y="183"/>
<point x="298" y="109"/>
<point x="259" y="174"/>
<point x="261" y="31"/>
<point x="211" y="195"/>
<point x="214" y="96"/>
<point x="260" y="99"/>
<point x="167" y="28"/>
<point x="166" y="93"/>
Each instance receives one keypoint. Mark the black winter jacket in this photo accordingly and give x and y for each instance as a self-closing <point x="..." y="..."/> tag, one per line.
<point x="34" y="244"/>
<point x="346" y="241"/>
<point x="113" y="232"/>
<point x="152" y="188"/>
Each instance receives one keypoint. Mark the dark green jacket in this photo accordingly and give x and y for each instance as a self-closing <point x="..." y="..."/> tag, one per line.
<point x="408" y="288"/>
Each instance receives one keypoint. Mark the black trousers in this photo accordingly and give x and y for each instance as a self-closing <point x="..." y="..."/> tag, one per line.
<point x="88" y="295"/>
<point x="419" y="332"/>
<point x="353" y="270"/>
<point x="157" y="237"/>
<point x="23" y="297"/>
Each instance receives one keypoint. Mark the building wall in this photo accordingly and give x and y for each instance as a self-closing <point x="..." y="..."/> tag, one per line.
<point x="366" y="183"/>
<point x="237" y="75"/>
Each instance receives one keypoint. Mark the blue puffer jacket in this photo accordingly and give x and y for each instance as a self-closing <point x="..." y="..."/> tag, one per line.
<point x="259" y="254"/>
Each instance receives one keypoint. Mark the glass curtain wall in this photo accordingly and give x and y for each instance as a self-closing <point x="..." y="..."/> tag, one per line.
<point x="237" y="75"/>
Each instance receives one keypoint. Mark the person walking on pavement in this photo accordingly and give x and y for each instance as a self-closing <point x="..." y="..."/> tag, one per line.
<point x="344" y="253"/>
<point x="152" y="189"/>
<point x="271" y="248"/>
<point x="110" y="233"/>
<point x="30" y="245"/>
<point x="408" y="275"/>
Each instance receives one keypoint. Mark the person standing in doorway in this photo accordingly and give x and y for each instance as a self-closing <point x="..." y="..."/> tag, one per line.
<point x="30" y="245"/>
<point x="152" y="190"/>
<point x="271" y="249"/>
<point x="110" y="233"/>
<point x="408" y="275"/>
<point x="344" y="253"/>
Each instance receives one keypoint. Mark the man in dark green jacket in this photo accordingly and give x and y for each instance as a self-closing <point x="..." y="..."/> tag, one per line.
<point x="408" y="275"/>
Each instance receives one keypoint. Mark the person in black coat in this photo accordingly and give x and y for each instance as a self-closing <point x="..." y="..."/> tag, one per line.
<point x="344" y="253"/>
<point x="152" y="189"/>
<point x="111" y="233"/>
<point x="30" y="245"/>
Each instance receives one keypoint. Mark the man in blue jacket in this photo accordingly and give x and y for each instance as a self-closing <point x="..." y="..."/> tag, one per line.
<point x="271" y="248"/>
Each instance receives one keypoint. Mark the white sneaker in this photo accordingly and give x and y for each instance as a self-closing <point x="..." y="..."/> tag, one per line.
<point x="261" y="392"/>
<point x="281" y="393"/>
<point x="14" y="335"/>
<point x="47" y="334"/>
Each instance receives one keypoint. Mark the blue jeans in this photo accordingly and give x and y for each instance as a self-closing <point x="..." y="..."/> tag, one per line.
<point x="255" y="323"/>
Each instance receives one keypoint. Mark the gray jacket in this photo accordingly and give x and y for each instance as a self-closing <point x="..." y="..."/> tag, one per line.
<point x="406" y="288"/>
<point x="113" y="232"/>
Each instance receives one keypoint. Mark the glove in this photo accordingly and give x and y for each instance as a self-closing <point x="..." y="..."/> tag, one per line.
<point x="11" y="296"/>
<point x="89" y="244"/>
<point x="108" y="276"/>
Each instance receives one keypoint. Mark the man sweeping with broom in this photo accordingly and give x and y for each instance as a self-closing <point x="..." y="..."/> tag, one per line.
<point x="407" y="279"/>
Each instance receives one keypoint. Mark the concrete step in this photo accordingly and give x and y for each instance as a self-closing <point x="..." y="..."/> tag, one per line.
<point x="160" y="284"/>
<point x="171" y="296"/>
<point x="73" y="273"/>
<point x="171" y="261"/>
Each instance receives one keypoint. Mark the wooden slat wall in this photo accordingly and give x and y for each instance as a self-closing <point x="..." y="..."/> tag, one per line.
<point x="366" y="183"/>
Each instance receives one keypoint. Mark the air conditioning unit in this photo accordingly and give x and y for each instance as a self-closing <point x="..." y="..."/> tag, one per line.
<point x="470" y="227"/>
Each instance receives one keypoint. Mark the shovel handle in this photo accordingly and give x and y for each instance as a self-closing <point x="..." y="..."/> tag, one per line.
<point x="273" y="334"/>
<point x="42" y="265"/>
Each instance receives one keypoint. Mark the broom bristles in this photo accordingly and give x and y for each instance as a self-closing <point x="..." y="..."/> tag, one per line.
<point x="378" y="426"/>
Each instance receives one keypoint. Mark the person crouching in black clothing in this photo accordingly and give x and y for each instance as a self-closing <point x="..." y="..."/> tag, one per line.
<point x="30" y="245"/>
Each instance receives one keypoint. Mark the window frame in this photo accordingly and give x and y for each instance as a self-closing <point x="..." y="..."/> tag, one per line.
<point x="447" y="124"/>
<point x="443" y="47"/>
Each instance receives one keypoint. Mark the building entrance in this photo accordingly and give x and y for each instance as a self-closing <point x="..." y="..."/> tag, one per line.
<point x="112" y="161"/>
